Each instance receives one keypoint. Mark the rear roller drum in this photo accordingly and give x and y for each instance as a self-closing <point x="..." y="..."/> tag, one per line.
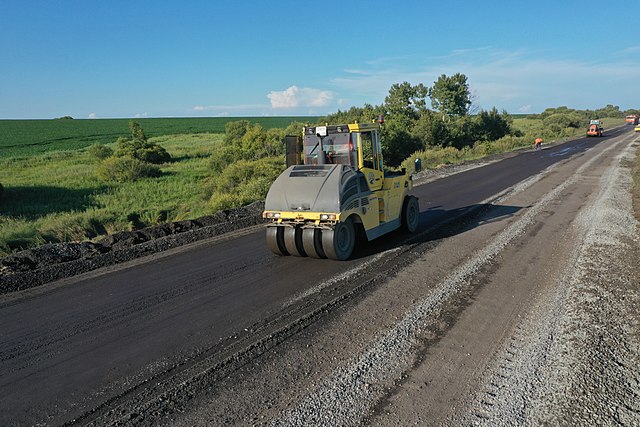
<point x="293" y="241"/>
<point x="275" y="240"/>
<point x="312" y="242"/>
<point x="338" y="243"/>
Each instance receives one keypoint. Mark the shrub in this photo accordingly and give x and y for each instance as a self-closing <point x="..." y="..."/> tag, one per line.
<point x="243" y="182"/>
<point x="222" y="157"/>
<point x="100" y="151"/>
<point x="139" y="147"/>
<point x="564" y="120"/>
<point x="153" y="153"/>
<point x="227" y="201"/>
<point x="242" y="172"/>
<point x="125" y="169"/>
<point x="142" y="150"/>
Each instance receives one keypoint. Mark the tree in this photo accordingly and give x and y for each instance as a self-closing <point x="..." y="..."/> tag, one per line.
<point x="365" y="114"/>
<point x="406" y="102"/>
<point x="398" y="143"/>
<point x="491" y="126"/>
<point x="137" y="134"/>
<point x="451" y="95"/>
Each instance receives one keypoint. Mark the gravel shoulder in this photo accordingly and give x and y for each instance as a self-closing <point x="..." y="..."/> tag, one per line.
<point x="575" y="358"/>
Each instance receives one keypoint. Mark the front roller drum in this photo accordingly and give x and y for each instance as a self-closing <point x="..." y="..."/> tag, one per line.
<point x="293" y="241"/>
<point x="338" y="243"/>
<point x="312" y="242"/>
<point x="275" y="240"/>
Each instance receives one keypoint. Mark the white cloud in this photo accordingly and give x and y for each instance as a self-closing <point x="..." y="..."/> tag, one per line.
<point x="92" y="115"/>
<point x="294" y="97"/>
<point x="141" y="115"/>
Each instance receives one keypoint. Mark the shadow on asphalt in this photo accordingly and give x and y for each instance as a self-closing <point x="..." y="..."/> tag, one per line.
<point x="437" y="223"/>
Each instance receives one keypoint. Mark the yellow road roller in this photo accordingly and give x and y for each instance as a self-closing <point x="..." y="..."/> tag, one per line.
<point x="335" y="188"/>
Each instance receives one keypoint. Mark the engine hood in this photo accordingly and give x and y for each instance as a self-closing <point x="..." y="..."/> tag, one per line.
<point x="314" y="188"/>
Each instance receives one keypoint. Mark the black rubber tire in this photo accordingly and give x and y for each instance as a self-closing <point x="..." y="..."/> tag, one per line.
<point x="293" y="241"/>
<point x="275" y="240"/>
<point x="339" y="243"/>
<point x="410" y="214"/>
<point x="312" y="242"/>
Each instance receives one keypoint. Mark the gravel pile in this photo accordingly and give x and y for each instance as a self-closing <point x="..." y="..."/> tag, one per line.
<point x="34" y="267"/>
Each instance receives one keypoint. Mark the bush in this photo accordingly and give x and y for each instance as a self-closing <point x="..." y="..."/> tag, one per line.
<point x="222" y="157"/>
<point x="243" y="182"/>
<point x="138" y="147"/>
<point x="100" y="151"/>
<point x="142" y="150"/>
<point x="490" y="125"/>
<point x="220" y="201"/>
<point x="242" y="172"/>
<point x="153" y="153"/>
<point x="125" y="169"/>
<point x="564" y="120"/>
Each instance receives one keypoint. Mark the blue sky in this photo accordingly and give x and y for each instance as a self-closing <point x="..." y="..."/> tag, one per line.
<point x="262" y="58"/>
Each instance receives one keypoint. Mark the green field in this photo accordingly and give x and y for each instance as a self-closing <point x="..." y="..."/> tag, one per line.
<point x="20" y="138"/>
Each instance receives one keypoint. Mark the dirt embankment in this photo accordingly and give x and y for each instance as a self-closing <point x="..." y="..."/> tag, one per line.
<point x="54" y="261"/>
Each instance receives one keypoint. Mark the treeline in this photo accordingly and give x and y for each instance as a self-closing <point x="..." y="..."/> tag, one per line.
<point x="558" y="119"/>
<point x="410" y="125"/>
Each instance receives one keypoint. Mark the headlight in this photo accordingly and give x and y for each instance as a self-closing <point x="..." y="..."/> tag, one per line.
<point x="327" y="217"/>
<point x="272" y="215"/>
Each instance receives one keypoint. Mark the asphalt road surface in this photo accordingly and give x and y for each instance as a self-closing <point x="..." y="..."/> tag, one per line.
<point x="425" y="329"/>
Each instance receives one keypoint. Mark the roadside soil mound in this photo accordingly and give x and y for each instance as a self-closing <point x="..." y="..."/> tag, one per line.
<point x="54" y="261"/>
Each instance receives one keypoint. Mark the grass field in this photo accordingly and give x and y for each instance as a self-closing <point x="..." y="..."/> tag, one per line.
<point x="57" y="197"/>
<point x="20" y="138"/>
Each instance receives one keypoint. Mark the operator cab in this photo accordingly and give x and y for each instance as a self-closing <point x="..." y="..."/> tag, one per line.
<point x="356" y="145"/>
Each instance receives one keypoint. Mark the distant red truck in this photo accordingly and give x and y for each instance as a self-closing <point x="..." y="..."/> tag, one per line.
<point x="632" y="119"/>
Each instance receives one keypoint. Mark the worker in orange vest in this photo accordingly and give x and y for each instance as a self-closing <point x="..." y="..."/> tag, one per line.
<point x="538" y="143"/>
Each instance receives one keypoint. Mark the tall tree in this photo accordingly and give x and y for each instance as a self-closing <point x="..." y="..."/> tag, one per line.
<point x="451" y="95"/>
<point x="406" y="101"/>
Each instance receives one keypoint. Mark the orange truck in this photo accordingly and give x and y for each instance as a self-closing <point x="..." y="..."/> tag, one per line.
<point x="632" y="119"/>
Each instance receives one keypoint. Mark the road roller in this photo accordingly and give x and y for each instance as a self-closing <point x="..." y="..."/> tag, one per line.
<point x="334" y="190"/>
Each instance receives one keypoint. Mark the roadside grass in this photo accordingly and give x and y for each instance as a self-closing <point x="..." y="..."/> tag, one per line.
<point x="55" y="197"/>
<point x="530" y="128"/>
